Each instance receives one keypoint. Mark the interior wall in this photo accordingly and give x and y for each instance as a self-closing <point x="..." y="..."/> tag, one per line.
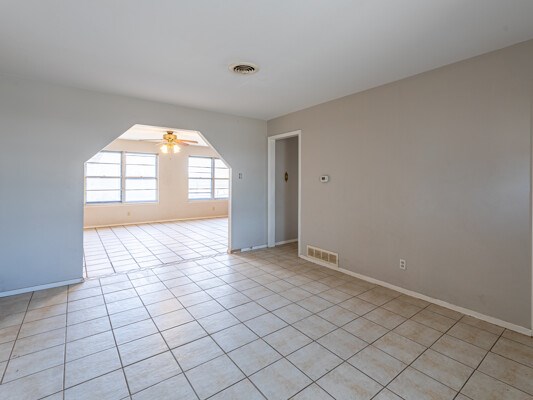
<point x="286" y="191"/>
<point x="173" y="202"/>
<point x="434" y="169"/>
<point x="47" y="132"/>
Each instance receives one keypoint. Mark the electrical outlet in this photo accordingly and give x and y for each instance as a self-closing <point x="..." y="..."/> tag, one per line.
<point x="403" y="264"/>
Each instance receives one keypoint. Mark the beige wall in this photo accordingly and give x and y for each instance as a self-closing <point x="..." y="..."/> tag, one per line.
<point x="434" y="169"/>
<point x="173" y="191"/>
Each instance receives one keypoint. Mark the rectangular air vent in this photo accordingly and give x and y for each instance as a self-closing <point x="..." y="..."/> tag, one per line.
<point x="324" y="256"/>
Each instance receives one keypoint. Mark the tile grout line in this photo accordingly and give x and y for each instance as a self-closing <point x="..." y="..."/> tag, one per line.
<point x="499" y="380"/>
<point x="105" y="250"/>
<point x="381" y="306"/>
<point x="479" y="364"/>
<point x="65" y="348"/>
<point x="116" y="349"/>
<point x="246" y="377"/>
<point x="313" y="381"/>
<point x="139" y="227"/>
<point x="368" y="344"/>
<point x="171" y="228"/>
<point x="252" y="318"/>
<point x="111" y="328"/>
<point x="208" y="335"/>
<point x="15" y="340"/>
<point x="168" y="347"/>
<point x="172" y="263"/>
<point x="268" y="311"/>
<point x="251" y="300"/>
<point x="383" y="387"/>
<point x="420" y="355"/>
<point x="154" y="226"/>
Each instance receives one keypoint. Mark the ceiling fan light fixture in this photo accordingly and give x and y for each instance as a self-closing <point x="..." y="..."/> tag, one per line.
<point x="171" y="143"/>
<point x="170" y="148"/>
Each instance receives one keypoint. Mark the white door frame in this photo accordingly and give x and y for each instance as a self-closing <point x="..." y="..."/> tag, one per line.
<point x="271" y="235"/>
<point x="531" y="222"/>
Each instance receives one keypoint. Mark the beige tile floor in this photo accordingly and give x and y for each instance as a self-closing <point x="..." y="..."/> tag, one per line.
<point x="125" y="248"/>
<point x="256" y="325"/>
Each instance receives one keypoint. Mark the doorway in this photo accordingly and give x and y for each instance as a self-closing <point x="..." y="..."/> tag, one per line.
<point x="284" y="189"/>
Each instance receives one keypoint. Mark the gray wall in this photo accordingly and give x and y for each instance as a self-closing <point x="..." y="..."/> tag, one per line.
<point x="47" y="132"/>
<point x="286" y="192"/>
<point x="434" y="169"/>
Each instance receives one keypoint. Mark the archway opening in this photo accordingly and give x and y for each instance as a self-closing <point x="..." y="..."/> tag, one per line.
<point x="149" y="201"/>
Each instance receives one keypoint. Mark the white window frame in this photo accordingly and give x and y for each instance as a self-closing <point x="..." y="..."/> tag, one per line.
<point x="103" y="177"/>
<point x="212" y="179"/>
<point x="122" y="180"/>
<point x="124" y="177"/>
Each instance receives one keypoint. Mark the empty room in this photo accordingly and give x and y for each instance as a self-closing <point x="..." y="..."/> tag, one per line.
<point x="266" y="200"/>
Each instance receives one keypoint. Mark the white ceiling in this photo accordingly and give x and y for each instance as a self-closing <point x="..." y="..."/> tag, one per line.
<point x="309" y="51"/>
<point x="155" y="134"/>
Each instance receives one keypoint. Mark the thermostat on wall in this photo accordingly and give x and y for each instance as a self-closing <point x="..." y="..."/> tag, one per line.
<point x="324" y="178"/>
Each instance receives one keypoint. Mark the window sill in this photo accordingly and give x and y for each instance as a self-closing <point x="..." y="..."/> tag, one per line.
<point x="117" y="204"/>
<point x="205" y="200"/>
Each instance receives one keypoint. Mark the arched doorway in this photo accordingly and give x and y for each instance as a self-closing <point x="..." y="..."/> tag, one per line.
<point x="144" y="207"/>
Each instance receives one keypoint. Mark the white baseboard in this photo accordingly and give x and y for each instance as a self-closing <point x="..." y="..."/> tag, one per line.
<point x="40" y="287"/>
<point x="263" y="246"/>
<point x="286" y="242"/>
<point x="466" y="311"/>
<point x="153" y="222"/>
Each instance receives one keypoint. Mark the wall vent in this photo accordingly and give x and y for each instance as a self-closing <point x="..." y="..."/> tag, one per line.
<point x="324" y="256"/>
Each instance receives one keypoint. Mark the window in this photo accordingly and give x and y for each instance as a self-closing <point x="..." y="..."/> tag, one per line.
<point x="140" y="177"/>
<point x="208" y="178"/>
<point x="103" y="178"/>
<point x="119" y="177"/>
<point x="221" y="180"/>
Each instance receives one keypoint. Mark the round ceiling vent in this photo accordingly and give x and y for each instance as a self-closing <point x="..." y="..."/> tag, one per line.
<point x="244" y="68"/>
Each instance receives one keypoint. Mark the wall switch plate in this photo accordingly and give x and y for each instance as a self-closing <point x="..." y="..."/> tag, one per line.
<point x="403" y="264"/>
<point x="324" y="178"/>
<point x="240" y="175"/>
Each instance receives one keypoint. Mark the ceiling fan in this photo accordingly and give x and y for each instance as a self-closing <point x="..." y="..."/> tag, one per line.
<point x="171" y="143"/>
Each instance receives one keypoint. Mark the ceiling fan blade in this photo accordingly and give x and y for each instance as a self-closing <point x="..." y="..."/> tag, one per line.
<point x="187" y="141"/>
